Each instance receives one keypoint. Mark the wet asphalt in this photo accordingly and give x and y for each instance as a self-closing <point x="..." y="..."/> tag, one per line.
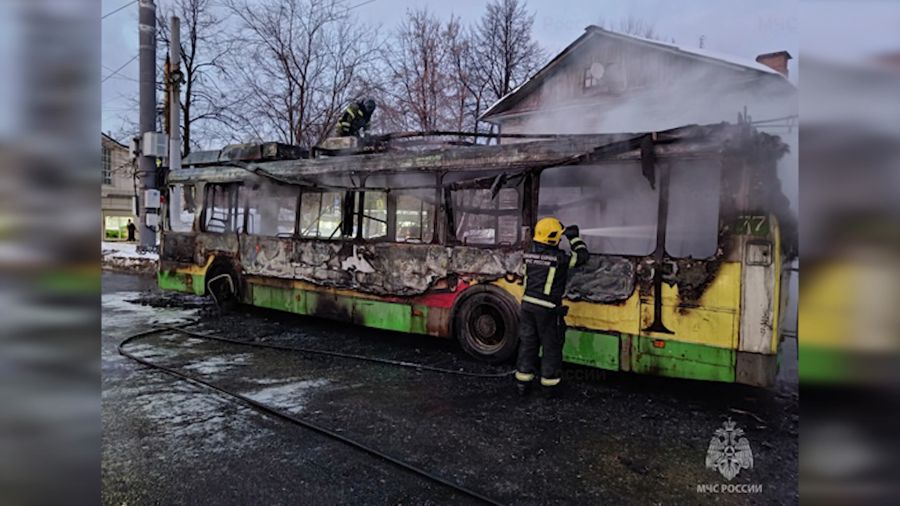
<point x="613" y="438"/>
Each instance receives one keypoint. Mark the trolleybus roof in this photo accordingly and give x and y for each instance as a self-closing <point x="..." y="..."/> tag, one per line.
<point x="688" y="141"/>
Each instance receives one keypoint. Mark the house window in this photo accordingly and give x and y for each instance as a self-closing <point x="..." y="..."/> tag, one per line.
<point x="106" y="159"/>
<point x="593" y="75"/>
<point x="116" y="227"/>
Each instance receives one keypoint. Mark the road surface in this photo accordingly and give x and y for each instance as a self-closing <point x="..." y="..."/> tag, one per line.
<point x="615" y="438"/>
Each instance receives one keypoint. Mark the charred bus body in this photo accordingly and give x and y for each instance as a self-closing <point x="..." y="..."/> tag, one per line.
<point x="688" y="231"/>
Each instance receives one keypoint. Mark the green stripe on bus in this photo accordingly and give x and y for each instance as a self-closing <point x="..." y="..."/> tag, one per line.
<point x="371" y="313"/>
<point x="682" y="360"/>
<point x="180" y="282"/>
<point x="592" y="348"/>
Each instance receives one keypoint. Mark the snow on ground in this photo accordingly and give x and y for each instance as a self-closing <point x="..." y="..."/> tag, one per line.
<point x="119" y="311"/>
<point x="124" y="250"/>
<point x="218" y="364"/>
<point x="290" y="397"/>
<point x="124" y="256"/>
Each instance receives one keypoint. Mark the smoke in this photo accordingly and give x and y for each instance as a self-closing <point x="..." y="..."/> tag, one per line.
<point x="641" y="89"/>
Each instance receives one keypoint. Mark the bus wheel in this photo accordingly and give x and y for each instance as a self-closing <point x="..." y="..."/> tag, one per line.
<point x="223" y="286"/>
<point x="486" y="322"/>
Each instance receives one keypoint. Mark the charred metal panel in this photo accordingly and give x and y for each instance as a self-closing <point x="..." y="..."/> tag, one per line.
<point x="215" y="244"/>
<point x="177" y="247"/>
<point x="378" y="268"/>
<point x="602" y="279"/>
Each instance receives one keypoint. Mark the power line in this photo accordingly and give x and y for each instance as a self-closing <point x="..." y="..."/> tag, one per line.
<point x="348" y="9"/>
<point x="110" y="13"/>
<point x="119" y="76"/>
<point x="114" y="72"/>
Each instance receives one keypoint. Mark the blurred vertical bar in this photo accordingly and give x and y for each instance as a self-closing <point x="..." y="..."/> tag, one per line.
<point x="49" y="252"/>
<point x="849" y="349"/>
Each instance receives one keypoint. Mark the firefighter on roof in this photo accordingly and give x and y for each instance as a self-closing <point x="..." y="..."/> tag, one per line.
<point x="356" y="118"/>
<point x="541" y="323"/>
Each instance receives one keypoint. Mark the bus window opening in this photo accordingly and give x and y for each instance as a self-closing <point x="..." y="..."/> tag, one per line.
<point x="415" y="217"/>
<point x="219" y="207"/>
<point x="181" y="208"/>
<point x="480" y="219"/>
<point x="614" y="206"/>
<point x="271" y="209"/>
<point x="320" y="215"/>
<point x="692" y="228"/>
<point x="374" y="215"/>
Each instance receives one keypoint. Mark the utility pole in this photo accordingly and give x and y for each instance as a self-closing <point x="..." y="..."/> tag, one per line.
<point x="147" y="113"/>
<point x="175" y="78"/>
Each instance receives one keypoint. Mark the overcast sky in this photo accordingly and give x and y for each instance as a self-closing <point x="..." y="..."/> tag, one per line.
<point x="743" y="28"/>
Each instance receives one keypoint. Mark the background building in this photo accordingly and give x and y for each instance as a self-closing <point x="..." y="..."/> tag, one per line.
<point x="609" y="82"/>
<point x="117" y="189"/>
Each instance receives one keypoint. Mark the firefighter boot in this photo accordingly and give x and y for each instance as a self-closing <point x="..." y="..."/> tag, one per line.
<point x="523" y="382"/>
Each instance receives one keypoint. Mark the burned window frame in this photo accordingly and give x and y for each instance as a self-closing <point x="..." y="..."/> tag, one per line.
<point x="232" y="189"/>
<point x="663" y="194"/>
<point x="670" y="230"/>
<point x="342" y="226"/>
<point x="430" y="224"/>
<point x="256" y="193"/>
<point x="520" y="182"/>
<point x="623" y="166"/>
<point x="192" y="200"/>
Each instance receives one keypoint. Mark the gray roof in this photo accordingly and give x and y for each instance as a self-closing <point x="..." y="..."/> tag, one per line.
<point x="592" y="32"/>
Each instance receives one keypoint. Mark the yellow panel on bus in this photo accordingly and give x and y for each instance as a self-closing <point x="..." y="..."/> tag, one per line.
<point x="712" y="321"/>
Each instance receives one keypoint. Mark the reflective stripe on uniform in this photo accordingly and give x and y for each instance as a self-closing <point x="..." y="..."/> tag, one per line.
<point x="539" y="302"/>
<point x="524" y="376"/>
<point x="548" y="382"/>
<point x="549" y="283"/>
<point x="573" y="260"/>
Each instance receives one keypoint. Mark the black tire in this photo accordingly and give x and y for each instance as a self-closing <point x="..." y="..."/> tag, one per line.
<point x="223" y="285"/>
<point x="486" y="323"/>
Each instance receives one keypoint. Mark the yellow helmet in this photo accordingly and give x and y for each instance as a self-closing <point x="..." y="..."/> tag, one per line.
<point x="548" y="231"/>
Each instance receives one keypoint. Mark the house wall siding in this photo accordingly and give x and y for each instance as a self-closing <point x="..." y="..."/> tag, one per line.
<point x="642" y="88"/>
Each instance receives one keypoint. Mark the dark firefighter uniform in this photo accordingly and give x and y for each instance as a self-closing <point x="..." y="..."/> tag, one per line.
<point x="541" y="323"/>
<point x="356" y="117"/>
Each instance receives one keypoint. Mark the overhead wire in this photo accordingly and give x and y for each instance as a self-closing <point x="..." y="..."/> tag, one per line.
<point x="110" y="13"/>
<point x="119" y="69"/>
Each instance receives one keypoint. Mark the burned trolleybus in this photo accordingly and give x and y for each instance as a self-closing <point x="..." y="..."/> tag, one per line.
<point x="688" y="231"/>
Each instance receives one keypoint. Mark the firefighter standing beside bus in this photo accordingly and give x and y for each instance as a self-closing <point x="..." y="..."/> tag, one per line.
<point x="541" y="316"/>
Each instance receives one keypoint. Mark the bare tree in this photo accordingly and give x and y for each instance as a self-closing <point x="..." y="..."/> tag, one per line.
<point x="507" y="53"/>
<point x="418" y="78"/>
<point x="205" y="45"/>
<point x="469" y="85"/>
<point x="300" y="63"/>
<point x="632" y="26"/>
